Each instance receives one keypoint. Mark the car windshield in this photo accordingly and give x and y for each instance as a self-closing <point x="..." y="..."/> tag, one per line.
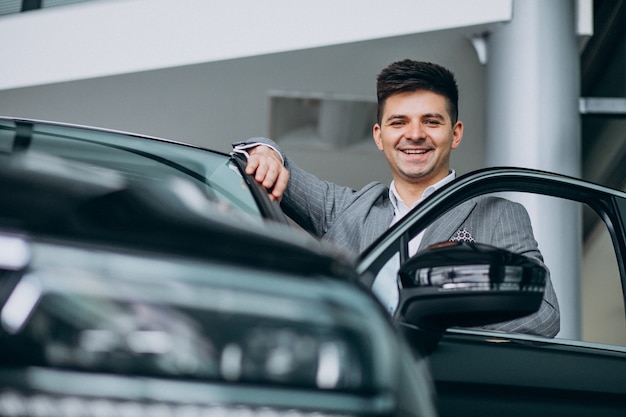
<point x="136" y="158"/>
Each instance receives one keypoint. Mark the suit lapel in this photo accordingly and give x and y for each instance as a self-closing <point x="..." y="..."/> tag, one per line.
<point x="445" y="227"/>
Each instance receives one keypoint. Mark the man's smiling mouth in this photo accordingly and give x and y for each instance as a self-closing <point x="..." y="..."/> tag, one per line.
<point x="415" y="151"/>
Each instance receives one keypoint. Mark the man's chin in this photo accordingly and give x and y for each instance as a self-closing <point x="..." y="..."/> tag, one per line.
<point x="427" y="177"/>
<point x="418" y="173"/>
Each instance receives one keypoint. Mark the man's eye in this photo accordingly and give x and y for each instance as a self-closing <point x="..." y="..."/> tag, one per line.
<point x="432" y="122"/>
<point x="397" y="123"/>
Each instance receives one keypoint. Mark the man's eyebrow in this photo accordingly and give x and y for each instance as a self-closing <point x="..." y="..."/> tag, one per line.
<point x="438" y="116"/>
<point x="396" y="116"/>
<point x="433" y="115"/>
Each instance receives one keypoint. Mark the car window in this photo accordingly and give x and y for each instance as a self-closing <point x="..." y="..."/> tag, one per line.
<point x="602" y="305"/>
<point x="581" y="249"/>
<point x="138" y="160"/>
<point x="583" y="269"/>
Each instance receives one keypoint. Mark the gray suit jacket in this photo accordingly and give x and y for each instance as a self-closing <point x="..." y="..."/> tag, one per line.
<point x="353" y="219"/>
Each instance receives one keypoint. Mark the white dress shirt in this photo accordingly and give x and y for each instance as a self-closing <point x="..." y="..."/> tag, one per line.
<point x="385" y="285"/>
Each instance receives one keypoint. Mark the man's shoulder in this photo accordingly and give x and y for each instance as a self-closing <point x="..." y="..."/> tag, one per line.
<point x="493" y="199"/>
<point x="375" y="186"/>
<point x="499" y="203"/>
<point x="374" y="191"/>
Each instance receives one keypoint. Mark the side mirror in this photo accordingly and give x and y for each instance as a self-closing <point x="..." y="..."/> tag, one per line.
<point x="467" y="285"/>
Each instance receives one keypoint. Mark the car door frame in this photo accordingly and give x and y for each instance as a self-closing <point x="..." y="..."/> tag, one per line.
<point x="270" y="210"/>
<point x="486" y="373"/>
<point x="609" y="204"/>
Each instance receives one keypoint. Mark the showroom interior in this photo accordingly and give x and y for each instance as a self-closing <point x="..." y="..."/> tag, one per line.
<point x="542" y="85"/>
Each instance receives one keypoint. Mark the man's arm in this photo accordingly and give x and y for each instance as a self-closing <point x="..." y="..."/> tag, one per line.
<point x="311" y="202"/>
<point x="513" y="231"/>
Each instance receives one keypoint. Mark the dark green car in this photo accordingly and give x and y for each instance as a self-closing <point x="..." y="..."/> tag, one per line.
<point x="141" y="276"/>
<point x="144" y="277"/>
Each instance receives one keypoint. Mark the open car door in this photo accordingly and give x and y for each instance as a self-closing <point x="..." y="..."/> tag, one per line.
<point x="485" y="372"/>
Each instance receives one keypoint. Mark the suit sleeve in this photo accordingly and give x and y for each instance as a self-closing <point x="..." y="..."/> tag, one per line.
<point x="312" y="203"/>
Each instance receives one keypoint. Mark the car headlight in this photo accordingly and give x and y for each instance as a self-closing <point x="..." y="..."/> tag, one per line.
<point x="135" y="317"/>
<point x="324" y="359"/>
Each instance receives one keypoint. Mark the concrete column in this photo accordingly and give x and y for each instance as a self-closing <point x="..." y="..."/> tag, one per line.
<point x="533" y="84"/>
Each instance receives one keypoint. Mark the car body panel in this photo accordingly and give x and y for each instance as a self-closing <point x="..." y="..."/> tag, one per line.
<point x="486" y="374"/>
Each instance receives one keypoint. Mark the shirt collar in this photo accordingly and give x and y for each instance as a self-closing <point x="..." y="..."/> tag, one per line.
<point x="401" y="208"/>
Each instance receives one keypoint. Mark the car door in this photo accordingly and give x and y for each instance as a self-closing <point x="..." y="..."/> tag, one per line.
<point x="481" y="372"/>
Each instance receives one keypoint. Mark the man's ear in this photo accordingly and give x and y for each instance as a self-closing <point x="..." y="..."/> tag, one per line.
<point x="377" y="138"/>
<point x="457" y="134"/>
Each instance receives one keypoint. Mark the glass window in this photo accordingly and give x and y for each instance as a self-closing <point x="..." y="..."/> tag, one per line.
<point x="602" y="304"/>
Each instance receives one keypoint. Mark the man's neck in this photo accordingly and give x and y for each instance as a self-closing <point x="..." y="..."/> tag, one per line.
<point x="411" y="192"/>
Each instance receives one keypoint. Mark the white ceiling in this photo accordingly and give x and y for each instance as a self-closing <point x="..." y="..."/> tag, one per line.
<point x="111" y="37"/>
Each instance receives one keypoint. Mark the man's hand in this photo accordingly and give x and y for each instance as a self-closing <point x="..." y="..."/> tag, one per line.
<point x="267" y="167"/>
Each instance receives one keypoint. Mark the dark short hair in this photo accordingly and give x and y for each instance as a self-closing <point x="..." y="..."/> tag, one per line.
<point x="409" y="75"/>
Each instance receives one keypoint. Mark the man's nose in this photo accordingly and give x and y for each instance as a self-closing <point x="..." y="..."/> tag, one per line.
<point x="414" y="131"/>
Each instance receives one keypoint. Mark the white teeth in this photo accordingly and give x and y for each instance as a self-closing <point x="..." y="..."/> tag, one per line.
<point x="413" y="151"/>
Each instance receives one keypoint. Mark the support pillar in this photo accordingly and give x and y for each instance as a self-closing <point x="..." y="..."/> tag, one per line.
<point x="533" y="87"/>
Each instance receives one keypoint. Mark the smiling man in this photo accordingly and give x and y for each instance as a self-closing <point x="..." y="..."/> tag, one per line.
<point x="417" y="129"/>
<point x="416" y="134"/>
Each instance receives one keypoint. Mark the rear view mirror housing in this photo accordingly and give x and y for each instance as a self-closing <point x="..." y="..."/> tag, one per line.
<point x="467" y="285"/>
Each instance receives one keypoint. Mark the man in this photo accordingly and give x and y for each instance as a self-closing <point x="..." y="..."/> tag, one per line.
<point x="417" y="128"/>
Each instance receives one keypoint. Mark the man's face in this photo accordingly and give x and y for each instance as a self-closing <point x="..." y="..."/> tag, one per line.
<point x="416" y="134"/>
